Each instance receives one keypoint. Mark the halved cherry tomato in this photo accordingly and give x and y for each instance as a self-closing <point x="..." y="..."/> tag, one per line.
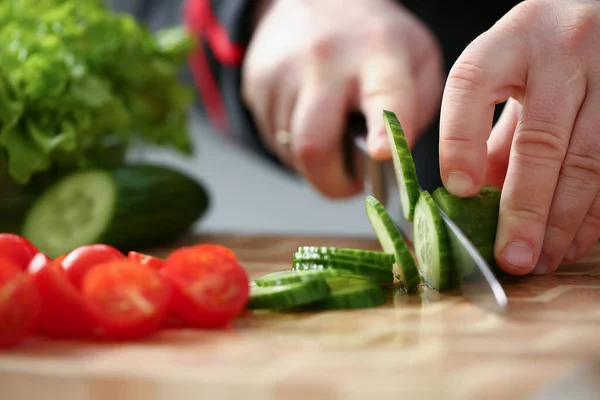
<point x="63" y="312"/>
<point x="82" y="259"/>
<point x="209" y="289"/>
<point x="145" y="259"/>
<point x="19" y="304"/>
<point x="17" y="249"/>
<point x="38" y="261"/>
<point x="217" y="249"/>
<point x="127" y="300"/>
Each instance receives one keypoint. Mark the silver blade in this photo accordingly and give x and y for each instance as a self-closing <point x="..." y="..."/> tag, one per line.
<point x="479" y="284"/>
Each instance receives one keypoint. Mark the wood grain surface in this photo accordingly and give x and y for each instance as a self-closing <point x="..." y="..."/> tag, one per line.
<point x="425" y="345"/>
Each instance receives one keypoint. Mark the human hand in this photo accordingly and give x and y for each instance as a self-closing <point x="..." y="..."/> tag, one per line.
<point x="545" y="150"/>
<point x="311" y="62"/>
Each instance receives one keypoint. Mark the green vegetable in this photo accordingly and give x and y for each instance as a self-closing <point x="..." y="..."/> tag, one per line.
<point x="75" y="76"/>
<point x="287" y="277"/>
<point x="392" y="242"/>
<point x="377" y="257"/>
<point x="127" y="207"/>
<point x="404" y="165"/>
<point x="477" y="217"/>
<point x="288" y="296"/>
<point x="343" y="267"/>
<point x="432" y="246"/>
<point x="349" y="293"/>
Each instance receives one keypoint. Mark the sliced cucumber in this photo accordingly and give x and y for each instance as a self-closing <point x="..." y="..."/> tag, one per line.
<point x="341" y="259"/>
<point x="287" y="277"/>
<point x="391" y="241"/>
<point x="476" y="216"/>
<point x="357" y="254"/>
<point x="288" y="296"/>
<point x="350" y="293"/>
<point x="345" y="268"/>
<point x="432" y="246"/>
<point x="128" y="206"/>
<point x="404" y="165"/>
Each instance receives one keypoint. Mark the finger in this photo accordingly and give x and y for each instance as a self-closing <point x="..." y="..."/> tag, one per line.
<point x="550" y="107"/>
<point x="283" y="106"/>
<point x="317" y="125"/>
<point x="577" y="187"/>
<point x="499" y="143"/>
<point x="588" y="234"/>
<point x="483" y="76"/>
<point x="258" y="94"/>
<point x="388" y="83"/>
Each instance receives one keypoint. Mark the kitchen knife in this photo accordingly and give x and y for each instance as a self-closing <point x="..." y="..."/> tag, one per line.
<point x="478" y="284"/>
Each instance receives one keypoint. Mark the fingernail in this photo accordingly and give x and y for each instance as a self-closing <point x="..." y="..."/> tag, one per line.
<point x="541" y="267"/>
<point x="518" y="254"/>
<point x="459" y="184"/>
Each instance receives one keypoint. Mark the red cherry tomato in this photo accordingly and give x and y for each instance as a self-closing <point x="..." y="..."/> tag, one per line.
<point x="17" y="249"/>
<point x="19" y="304"/>
<point x="209" y="289"/>
<point x="145" y="259"/>
<point x="217" y="249"/>
<point x="127" y="300"/>
<point x="63" y="312"/>
<point x="38" y="261"/>
<point x="79" y="261"/>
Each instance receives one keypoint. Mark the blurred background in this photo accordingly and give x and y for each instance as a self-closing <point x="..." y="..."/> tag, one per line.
<point x="249" y="194"/>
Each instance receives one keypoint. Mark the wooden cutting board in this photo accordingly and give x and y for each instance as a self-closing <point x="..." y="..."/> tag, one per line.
<point x="426" y="345"/>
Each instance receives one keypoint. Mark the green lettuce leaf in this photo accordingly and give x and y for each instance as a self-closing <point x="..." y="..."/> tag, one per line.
<point x="74" y="76"/>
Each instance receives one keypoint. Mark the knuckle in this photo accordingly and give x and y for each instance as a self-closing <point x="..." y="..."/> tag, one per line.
<point x="540" y="140"/>
<point x="528" y="211"/>
<point x="379" y="33"/>
<point x="578" y="27"/>
<point x="321" y="48"/>
<point x="582" y="170"/>
<point x="466" y="76"/>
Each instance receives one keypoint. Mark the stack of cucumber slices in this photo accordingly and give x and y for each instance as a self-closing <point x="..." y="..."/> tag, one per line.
<point x="324" y="278"/>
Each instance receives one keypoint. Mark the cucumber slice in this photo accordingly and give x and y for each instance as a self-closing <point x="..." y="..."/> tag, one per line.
<point x="404" y="165"/>
<point x="350" y="293"/>
<point x="127" y="207"/>
<point x="377" y="275"/>
<point x="335" y="259"/>
<point x="432" y="246"/>
<point x="476" y="216"/>
<point x="287" y="277"/>
<point x="358" y="254"/>
<point x="391" y="241"/>
<point x="288" y="296"/>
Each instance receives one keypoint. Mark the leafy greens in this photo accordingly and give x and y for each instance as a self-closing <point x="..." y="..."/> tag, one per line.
<point x="74" y="76"/>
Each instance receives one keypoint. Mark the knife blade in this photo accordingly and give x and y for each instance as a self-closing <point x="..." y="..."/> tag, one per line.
<point x="478" y="283"/>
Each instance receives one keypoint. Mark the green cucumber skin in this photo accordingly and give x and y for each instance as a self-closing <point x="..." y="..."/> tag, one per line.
<point x="358" y="254"/>
<point x="444" y="255"/>
<point x="350" y="293"/>
<point x="477" y="217"/>
<point x="291" y="276"/>
<point x="405" y="268"/>
<point x="333" y="260"/>
<point x="403" y="162"/>
<point x="288" y="296"/>
<point x="353" y="270"/>
<point x="154" y="204"/>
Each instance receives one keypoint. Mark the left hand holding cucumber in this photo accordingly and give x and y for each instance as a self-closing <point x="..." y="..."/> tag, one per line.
<point x="545" y="150"/>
